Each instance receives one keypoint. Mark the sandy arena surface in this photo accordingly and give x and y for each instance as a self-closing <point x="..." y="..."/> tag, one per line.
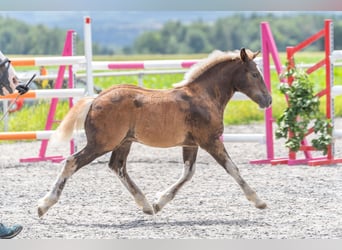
<point x="303" y="202"/>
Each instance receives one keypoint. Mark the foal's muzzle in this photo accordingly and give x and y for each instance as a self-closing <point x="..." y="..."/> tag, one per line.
<point x="265" y="101"/>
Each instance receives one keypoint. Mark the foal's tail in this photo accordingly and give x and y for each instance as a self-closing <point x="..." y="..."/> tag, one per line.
<point x="74" y="119"/>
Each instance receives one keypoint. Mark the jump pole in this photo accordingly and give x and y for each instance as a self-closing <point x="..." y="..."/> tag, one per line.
<point x="47" y="94"/>
<point x="26" y="135"/>
<point x="48" y="61"/>
<point x="146" y="64"/>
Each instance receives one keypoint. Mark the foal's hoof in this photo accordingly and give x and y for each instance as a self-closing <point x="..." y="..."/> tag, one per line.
<point x="41" y="211"/>
<point x="148" y="211"/>
<point x="42" y="208"/>
<point x="156" y="208"/>
<point x="261" y="205"/>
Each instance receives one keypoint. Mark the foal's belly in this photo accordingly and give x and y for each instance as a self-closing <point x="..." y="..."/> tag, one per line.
<point x="160" y="142"/>
<point x="167" y="130"/>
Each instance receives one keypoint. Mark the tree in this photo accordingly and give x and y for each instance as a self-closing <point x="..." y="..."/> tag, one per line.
<point x="149" y="42"/>
<point x="234" y="32"/>
<point x="197" y="41"/>
<point x="17" y="37"/>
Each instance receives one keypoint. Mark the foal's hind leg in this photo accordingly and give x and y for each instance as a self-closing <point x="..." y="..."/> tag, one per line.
<point x="189" y="158"/>
<point x="220" y="154"/>
<point x="118" y="164"/>
<point x="72" y="164"/>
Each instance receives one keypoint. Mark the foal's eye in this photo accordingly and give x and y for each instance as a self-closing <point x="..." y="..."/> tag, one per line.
<point x="255" y="75"/>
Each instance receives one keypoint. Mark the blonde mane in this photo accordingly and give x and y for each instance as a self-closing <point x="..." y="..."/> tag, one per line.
<point x="216" y="57"/>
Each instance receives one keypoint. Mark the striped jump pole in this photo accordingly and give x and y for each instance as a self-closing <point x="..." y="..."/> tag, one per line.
<point x="254" y="138"/>
<point x="47" y="93"/>
<point x="46" y="135"/>
<point x="336" y="90"/>
<point x="48" y="61"/>
<point x="32" y="135"/>
<point x="146" y="64"/>
<point x="26" y="135"/>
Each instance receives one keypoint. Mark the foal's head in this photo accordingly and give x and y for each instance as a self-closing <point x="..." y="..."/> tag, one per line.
<point x="248" y="80"/>
<point x="236" y="67"/>
<point x="8" y="78"/>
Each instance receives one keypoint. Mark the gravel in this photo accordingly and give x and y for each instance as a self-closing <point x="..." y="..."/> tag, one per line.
<point x="303" y="202"/>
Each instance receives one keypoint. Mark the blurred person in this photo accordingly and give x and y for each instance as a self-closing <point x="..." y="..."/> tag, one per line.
<point x="8" y="83"/>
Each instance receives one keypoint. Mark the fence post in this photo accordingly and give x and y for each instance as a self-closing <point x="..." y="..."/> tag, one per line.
<point x="88" y="52"/>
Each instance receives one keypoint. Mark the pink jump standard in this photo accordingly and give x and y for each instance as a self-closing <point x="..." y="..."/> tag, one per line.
<point x="67" y="51"/>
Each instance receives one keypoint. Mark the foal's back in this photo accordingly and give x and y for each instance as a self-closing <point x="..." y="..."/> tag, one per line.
<point x="152" y="117"/>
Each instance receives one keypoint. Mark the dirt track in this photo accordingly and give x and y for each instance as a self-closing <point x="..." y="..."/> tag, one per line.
<point x="303" y="202"/>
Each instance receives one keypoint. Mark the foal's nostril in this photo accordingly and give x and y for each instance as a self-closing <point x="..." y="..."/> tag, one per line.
<point x="268" y="100"/>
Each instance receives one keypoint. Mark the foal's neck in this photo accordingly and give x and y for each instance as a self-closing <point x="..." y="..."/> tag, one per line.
<point x="217" y="83"/>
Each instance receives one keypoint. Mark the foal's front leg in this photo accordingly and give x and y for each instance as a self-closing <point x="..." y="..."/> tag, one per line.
<point x="218" y="151"/>
<point x="118" y="164"/>
<point x="189" y="158"/>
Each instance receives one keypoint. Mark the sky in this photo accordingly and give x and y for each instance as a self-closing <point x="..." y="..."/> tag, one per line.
<point x="233" y="5"/>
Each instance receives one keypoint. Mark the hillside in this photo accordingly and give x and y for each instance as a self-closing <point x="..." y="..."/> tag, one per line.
<point x="162" y="32"/>
<point x="113" y="28"/>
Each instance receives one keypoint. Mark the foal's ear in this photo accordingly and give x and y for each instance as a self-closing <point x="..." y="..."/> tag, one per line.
<point x="243" y="55"/>
<point x="256" y="54"/>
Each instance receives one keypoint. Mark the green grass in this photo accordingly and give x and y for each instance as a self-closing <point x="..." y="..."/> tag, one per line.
<point x="33" y="117"/>
<point x="237" y="112"/>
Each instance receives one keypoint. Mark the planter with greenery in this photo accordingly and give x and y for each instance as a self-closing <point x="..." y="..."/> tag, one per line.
<point x="303" y="109"/>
